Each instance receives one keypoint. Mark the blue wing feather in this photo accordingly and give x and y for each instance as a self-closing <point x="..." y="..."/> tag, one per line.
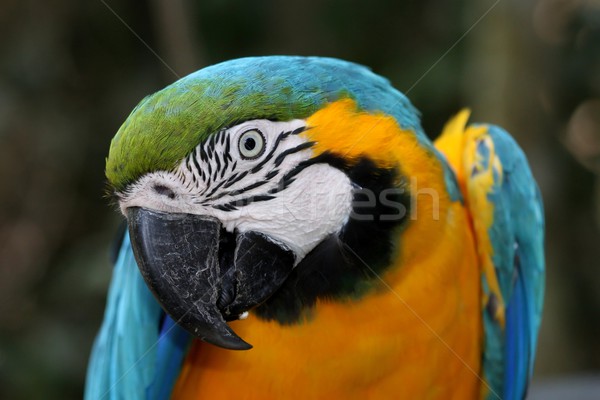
<point x="517" y="236"/>
<point x="517" y="347"/>
<point x="129" y="359"/>
<point x="506" y="208"/>
<point x="172" y="347"/>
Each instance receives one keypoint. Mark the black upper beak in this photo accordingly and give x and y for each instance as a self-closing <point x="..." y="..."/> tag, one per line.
<point x="202" y="275"/>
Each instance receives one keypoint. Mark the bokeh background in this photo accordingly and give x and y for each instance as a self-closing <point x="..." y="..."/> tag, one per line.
<point x="71" y="71"/>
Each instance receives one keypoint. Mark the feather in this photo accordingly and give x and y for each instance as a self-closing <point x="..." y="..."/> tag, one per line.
<point x="128" y="360"/>
<point x="507" y="215"/>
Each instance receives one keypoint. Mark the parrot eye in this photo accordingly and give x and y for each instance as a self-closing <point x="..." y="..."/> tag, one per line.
<point x="251" y="144"/>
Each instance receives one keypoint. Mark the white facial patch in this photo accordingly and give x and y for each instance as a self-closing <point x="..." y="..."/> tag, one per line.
<point x="315" y="206"/>
<point x="256" y="176"/>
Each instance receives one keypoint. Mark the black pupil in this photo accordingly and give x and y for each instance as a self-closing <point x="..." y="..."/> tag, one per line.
<point x="249" y="144"/>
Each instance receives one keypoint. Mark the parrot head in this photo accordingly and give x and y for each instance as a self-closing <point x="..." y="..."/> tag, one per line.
<point x="264" y="184"/>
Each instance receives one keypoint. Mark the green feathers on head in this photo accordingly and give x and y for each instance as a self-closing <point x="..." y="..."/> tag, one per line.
<point x="166" y="126"/>
<point x="169" y="124"/>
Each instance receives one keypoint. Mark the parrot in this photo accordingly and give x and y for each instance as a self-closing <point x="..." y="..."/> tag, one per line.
<point x="292" y="232"/>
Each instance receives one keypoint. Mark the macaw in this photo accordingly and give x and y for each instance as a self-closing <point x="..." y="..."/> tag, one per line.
<point x="293" y="233"/>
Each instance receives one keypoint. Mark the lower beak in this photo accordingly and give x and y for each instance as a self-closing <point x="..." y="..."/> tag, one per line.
<point x="202" y="275"/>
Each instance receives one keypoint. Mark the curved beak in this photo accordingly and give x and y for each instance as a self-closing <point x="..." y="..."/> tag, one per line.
<point x="202" y="275"/>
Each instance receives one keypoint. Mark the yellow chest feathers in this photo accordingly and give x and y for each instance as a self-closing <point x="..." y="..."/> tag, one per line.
<point x="416" y="335"/>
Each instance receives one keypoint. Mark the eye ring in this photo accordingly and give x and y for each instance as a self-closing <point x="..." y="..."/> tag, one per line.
<point x="251" y="144"/>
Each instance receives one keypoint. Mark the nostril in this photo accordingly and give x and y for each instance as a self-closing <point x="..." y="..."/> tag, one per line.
<point x="164" y="191"/>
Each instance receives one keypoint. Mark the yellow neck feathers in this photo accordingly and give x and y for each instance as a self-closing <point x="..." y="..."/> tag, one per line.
<point x="417" y="337"/>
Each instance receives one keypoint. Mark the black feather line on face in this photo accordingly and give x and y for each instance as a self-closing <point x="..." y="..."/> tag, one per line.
<point x="227" y="151"/>
<point x="215" y="172"/>
<point x="237" y="177"/>
<point x="217" y="187"/>
<point x="244" y="189"/>
<point x="224" y="207"/>
<point x="218" y="161"/>
<point x="253" y="199"/>
<point x="222" y="137"/>
<point x="284" y="182"/>
<point x="330" y="271"/>
<point x="225" y="156"/>
<point x="268" y="157"/>
<point x="297" y="131"/>
<point x="272" y="174"/>
<point x="196" y="164"/>
<point x="293" y="150"/>
<point x="210" y="151"/>
<point x="209" y="169"/>
<point x="203" y="155"/>
<point x="224" y="162"/>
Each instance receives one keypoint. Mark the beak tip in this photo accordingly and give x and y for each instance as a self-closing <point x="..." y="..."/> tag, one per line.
<point x="243" y="346"/>
<point x="228" y="342"/>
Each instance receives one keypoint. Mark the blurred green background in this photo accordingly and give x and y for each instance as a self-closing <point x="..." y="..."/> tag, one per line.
<point x="71" y="71"/>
